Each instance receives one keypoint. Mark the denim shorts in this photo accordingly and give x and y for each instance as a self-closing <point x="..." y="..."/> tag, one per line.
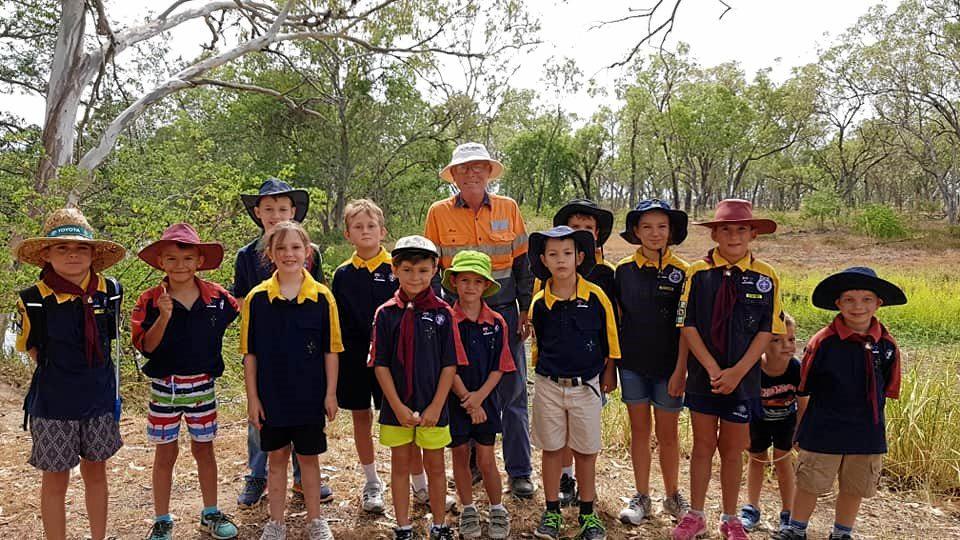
<point x="636" y="389"/>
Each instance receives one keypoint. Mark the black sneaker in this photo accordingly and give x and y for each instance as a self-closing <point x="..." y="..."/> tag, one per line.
<point x="404" y="534"/>
<point x="591" y="528"/>
<point x="788" y="534"/>
<point x="442" y="532"/>
<point x="840" y="536"/>
<point x="550" y="526"/>
<point x="568" y="490"/>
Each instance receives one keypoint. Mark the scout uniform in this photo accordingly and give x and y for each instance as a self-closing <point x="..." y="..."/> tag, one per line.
<point x="603" y="271"/>
<point x="360" y="287"/>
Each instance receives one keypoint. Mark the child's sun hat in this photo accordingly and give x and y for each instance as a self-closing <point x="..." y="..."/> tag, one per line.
<point x="471" y="261"/>
<point x="69" y="225"/>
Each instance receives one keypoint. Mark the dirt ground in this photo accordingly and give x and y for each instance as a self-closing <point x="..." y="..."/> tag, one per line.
<point x="889" y="515"/>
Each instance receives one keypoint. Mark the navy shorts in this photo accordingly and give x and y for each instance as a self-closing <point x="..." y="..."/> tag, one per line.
<point x="727" y="408"/>
<point x="357" y="384"/>
<point x="307" y="440"/>
<point x="636" y="388"/>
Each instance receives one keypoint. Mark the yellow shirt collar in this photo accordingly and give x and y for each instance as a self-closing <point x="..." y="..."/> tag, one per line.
<point x="309" y="288"/>
<point x="583" y="292"/>
<point x="46" y="291"/>
<point x="642" y="260"/>
<point x="373" y="263"/>
<point x="743" y="264"/>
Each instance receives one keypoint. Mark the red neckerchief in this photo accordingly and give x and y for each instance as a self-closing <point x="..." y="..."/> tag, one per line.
<point x="723" y="304"/>
<point x="424" y="301"/>
<point x="61" y="285"/>
<point x="875" y="334"/>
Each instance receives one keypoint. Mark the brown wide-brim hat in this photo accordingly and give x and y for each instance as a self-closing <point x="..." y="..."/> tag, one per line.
<point x="183" y="233"/>
<point x="69" y="225"/>
<point x="739" y="211"/>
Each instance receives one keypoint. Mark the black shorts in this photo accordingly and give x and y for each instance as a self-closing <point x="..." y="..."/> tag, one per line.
<point x="357" y="384"/>
<point x="778" y="433"/>
<point x="726" y="407"/>
<point x="307" y="440"/>
<point x="479" y="437"/>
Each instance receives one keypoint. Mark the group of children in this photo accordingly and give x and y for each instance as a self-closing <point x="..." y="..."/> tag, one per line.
<point x="709" y="336"/>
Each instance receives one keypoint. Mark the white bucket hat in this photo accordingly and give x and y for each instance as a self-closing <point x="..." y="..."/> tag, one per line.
<point x="468" y="152"/>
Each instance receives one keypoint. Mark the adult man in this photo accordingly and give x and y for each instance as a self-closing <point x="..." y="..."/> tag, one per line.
<point x="477" y="220"/>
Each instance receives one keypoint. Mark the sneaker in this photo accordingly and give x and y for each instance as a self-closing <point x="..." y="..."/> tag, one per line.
<point x="274" y="531"/>
<point x="637" y="510"/>
<point x="784" y="520"/>
<point x="840" y="536"/>
<point x="218" y="525"/>
<point x="422" y="496"/>
<point x="404" y="534"/>
<point x="161" y="530"/>
<point x="568" y="490"/>
<point x="319" y="530"/>
<point x="550" y="526"/>
<point x="442" y="532"/>
<point x="750" y="517"/>
<point x="691" y="526"/>
<point x="470" y="523"/>
<point x="499" y="527"/>
<point x="732" y="529"/>
<point x="676" y="505"/>
<point x="789" y="534"/>
<point x="591" y="528"/>
<point x="253" y="491"/>
<point x="522" y="487"/>
<point x="326" y="493"/>
<point x="372" y="498"/>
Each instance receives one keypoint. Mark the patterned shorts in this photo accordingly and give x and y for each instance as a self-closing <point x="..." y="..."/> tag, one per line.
<point x="191" y="397"/>
<point x="58" y="445"/>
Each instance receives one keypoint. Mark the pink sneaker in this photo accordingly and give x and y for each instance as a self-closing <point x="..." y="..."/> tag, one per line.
<point x="733" y="530"/>
<point x="690" y="527"/>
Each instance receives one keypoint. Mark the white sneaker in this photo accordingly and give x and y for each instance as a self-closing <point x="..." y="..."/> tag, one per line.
<point x="318" y="529"/>
<point x="274" y="531"/>
<point x="373" y="498"/>
<point x="637" y="510"/>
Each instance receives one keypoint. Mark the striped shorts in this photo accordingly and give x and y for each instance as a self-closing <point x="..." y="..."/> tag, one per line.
<point x="191" y="397"/>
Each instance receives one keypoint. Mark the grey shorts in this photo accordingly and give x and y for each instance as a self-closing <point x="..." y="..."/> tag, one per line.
<point x="58" y="445"/>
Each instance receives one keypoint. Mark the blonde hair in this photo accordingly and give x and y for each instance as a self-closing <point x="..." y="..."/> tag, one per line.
<point x="360" y="206"/>
<point x="788" y="320"/>
<point x="278" y="233"/>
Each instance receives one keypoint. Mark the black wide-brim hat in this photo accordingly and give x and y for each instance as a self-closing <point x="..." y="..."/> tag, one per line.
<point x="582" y="239"/>
<point x="273" y="187"/>
<point x="857" y="278"/>
<point x="587" y="207"/>
<point x="677" y="218"/>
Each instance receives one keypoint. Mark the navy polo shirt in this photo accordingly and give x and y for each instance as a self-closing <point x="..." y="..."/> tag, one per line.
<point x="647" y="296"/>
<point x="574" y="336"/>
<point x="487" y="347"/>
<point x="436" y="346"/>
<point x="66" y="386"/>
<point x="360" y="287"/>
<point x="602" y="275"/>
<point x="251" y="268"/>
<point x="757" y="309"/>
<point x="289" y="339"/>
<point x="839" y="415"/>
<point x="192" y="342"/>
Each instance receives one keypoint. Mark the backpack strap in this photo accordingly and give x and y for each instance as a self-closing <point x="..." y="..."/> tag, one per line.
<point x="33" y="303"/>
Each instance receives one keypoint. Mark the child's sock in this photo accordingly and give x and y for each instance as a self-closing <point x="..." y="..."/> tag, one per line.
<point x="419" y="481"/>
<point x="840" y="530"/>
<point x="553" y="506"/>
<point x="698" y="513"/>
<point x="726" y="517"/>
<point x="370" y="471"/>
<point x="164" y="517"/>
<point x="568" y="471"/>
<point x="208" y="510"/>
<point x="406" y="527"/>
<point x="798" y="526"/>
<point x="498" y="506"/>
<point x="470" y="507"/>
<point x="586" y="508"/>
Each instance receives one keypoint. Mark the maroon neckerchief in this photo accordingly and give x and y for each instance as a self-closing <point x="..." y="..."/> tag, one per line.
<point x="875" y="334"/>
<point x="723" y="305"/>
<point x="425" y="300"/>
<point x="61" y="285"/>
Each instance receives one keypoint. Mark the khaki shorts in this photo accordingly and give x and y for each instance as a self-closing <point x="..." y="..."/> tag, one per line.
<point x="858" y="474"/>
<point x="566" y="416"/>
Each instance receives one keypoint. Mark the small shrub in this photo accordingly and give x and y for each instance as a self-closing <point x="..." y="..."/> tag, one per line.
<point x="881" y="221"/>
<point x="821" y="206"/>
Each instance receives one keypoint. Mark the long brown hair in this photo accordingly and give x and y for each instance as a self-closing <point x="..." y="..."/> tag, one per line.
<point x="278" y="233"/>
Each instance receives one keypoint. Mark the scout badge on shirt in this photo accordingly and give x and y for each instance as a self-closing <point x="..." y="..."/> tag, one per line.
<point x="764" y="284"/>
<point x="675" y="277"/>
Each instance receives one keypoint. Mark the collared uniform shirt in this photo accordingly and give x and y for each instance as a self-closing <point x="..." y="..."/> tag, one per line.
<point x="757" y="309"/>
<point x="573" y="337"/>
<point x="647" y="296"/>
<point x="289" y="339"/>
<point x="360" y="287"/>
<point x="192" y="343"/>
<point x="602" y="274"/>
<point x="251" y="268"/>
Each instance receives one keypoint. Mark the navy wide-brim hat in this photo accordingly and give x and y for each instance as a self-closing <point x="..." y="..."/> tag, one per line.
<point x="275" y="188"/>
<point x="857" y="278"/>
<point x="677" y="218"/>
<point x="582" y="239"/>
<point x="587" y="207"/>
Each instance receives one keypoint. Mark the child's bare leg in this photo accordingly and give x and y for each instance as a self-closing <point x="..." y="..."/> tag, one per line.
<point x="437" y="482"/>
<point x="416" y="461"/>
<point x="640" y="420"/>
<point x="732" y="442"/>
<point x="206" y="471"/>
<point x="567" y="457"/>
<point x="551" y="465"/>
<point x="53" y="510"/>
<point x="96" y="494"/>
<point x="362" y="435"/>
<point x="487" y="463"/>
<point x="277" y="482"/>
<point x="848" y="506"/>
<point x="668" y="443"/>
<point x="755" y="470"/>
<point x="401" y="458"/>
<point x="786" y="477"/>
<point x="310" y="478"/>
<point x="804" y="504"/>
<point x="164" y="458"/>
<point x="462" y="476"/>
<point x="701" y="458"/>
<point x="586" y="475"/>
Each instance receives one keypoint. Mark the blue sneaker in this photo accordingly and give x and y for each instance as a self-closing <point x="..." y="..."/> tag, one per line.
<point x="253" y="490"/>
<point x="218" y="525"/>
<point x="161" y="530"/>
<point x="326" y="492"/>
<point x="750" y="517"/>
<point x="784" y="520"/>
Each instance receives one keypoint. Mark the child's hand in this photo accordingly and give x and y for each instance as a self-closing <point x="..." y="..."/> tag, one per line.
<point x="331" y="406"/>
<point x="478" y="415"/>
<point x="609" y="382"/>
<point x="675" y="385"/>
<point x="524" y="328"/>
<point x="406" y="417"/>
<point x="430" y="416"/>
<point x="727" y="382"/>
<point x="165" y="304"/>
<point x="255" y="413"/>
<point x="472" y="401"/>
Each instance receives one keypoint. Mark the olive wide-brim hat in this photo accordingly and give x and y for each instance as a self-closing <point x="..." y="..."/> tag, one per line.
<point x="471" y="261"/>
<point x="69" y="225"/>
<point x="582" y="239"/>
<point x="857" y="278"/>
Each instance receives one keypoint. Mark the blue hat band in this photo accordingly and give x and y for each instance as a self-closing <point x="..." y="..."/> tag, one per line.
<point x="70" y="230"/>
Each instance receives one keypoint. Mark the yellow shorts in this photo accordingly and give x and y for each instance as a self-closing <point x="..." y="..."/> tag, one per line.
<point x="428" y="438"/>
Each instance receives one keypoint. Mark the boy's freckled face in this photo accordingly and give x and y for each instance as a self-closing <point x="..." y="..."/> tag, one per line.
<point x="582" y="222"/>
<point x="273" y="210"/>
<point x="733" y="240"/>
<point x="180" y="263"/>
<point x="414" y="278"/>
<point x="561" y="257"/>
<point x="365" y="231"/>
<point x="288" y="253"/>
<point x="783" y="347"/>
<point x="469" y="286"/>
<point x="653" y="230"/>
<point x="858" y="307"/>
<point x="70" y="259"/>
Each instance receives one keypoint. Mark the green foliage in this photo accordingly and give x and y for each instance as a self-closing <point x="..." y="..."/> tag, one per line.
<point x="881" y="221"/>
<point x="822" y="206"/>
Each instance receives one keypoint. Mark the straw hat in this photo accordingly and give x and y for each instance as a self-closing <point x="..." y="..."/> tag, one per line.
<point x="69" y="225"/>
